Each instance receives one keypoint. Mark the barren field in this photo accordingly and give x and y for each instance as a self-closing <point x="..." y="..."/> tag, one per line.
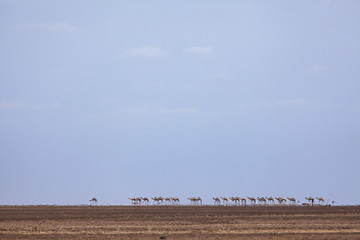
<point x="179" y="222"/>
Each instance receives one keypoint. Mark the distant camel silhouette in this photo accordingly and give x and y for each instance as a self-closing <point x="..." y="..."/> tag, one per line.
<point x="145" y="200"/>
<point x="270" y="199"/>
<point x="224" y="199"/>
<point x="235" y="200"/>
<point x="292" y="200"/>
<point x="93" y="200"/>
<point x="261" y="200"/>
<point x="167" y="200"/>
<point x="252" y="200"/>
<point x="217" y="201"/>
<point x="320" y="199"/>
<point x="133" y="200"/>
<point x="280" y="200"/>
<point x="158" y="199"/>
<point x="310" y="200"/>
<point x="195" y="200"/>
<point x="175" y="200"/>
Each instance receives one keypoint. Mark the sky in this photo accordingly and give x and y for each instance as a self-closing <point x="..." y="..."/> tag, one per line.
<point x="118" y="99"/>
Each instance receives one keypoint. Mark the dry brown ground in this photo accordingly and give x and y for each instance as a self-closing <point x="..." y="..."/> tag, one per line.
<point x="179" y="222"/>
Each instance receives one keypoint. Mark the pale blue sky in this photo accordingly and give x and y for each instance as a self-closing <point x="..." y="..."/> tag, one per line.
<point x="115" y="99"/>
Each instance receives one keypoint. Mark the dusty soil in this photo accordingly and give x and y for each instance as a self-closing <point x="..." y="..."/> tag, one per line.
<point x="179" y="222"/>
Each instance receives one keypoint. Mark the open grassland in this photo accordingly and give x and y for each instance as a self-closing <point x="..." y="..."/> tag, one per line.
<point x="179" y="222"/>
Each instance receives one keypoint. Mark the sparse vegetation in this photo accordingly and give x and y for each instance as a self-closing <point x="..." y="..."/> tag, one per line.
<point x="179" y="222"/>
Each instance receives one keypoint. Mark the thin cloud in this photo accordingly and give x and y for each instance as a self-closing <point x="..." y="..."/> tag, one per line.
<point x="221" y="77"/>
<point x="290" y="102"/>
<point x="199" y="50"/>
<point x="11" y="104"/>
<point x="138" y="115"/>
<point x="59" y="27"/>
<point x="146" y="110"/>
<point x="160" y="111"/>
<point x="175" y="111"/>
<point x="295" y="102"/>
<point x="316" y="69"/>
<point x="18" y="104"/>
<point x="144" y="52"/>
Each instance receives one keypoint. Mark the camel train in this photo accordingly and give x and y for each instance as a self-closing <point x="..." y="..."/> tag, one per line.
<point x="227" y="201"/>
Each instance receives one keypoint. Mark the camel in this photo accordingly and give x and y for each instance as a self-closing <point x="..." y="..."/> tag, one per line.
<point x="320" y="199"/>
<point x="93" y="200"/>
<point x="133" y="200"/>
<point x="252" y="200"/>
<point x="280" y="200"/>
<point x="145" y="200"/>
<point x="261" y="200"/>
<point x="225" y="199"/>
<point x="310" y="200"/>
<point x="195" y="200"/>
<point x="158" y="199"/>
<point x="175" y="200"/>
<point x="292" y="200"/>
<point x="270" y="200"/>
<point x="243" y="200"/>
<point x="217" y="201"/>
<point x="192" y="200"/>
<point x="167" y="200"/>
<point x="236" y="200"/>
<point x="138" y="200"/>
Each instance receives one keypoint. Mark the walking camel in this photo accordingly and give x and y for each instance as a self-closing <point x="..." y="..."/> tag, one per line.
<point x="261" y="200"/>
<point x="292" y="200"/>
<point x="310" y="200"/>
<point x="243" y="200"/>
<point x="93" y="200"/>
<point x="217" y="201"/>
<point x="235" y="200"/>
<point x="194" y="200"/>
<point x="320" y="199"/>
<point x="167" y="200"/>
<point x="270" y="200"/>
<point x="252" y="200"/>
<point x="145" y="200"/>
<point x="225" y="199"/>
<point x="280" y="200"/>
<point x="157" y="199"/>
<point x="134" y="200"/>
<point x="175" y="200"/>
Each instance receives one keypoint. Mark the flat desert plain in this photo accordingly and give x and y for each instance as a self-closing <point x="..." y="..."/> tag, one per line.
<point x="179" y="222"/>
